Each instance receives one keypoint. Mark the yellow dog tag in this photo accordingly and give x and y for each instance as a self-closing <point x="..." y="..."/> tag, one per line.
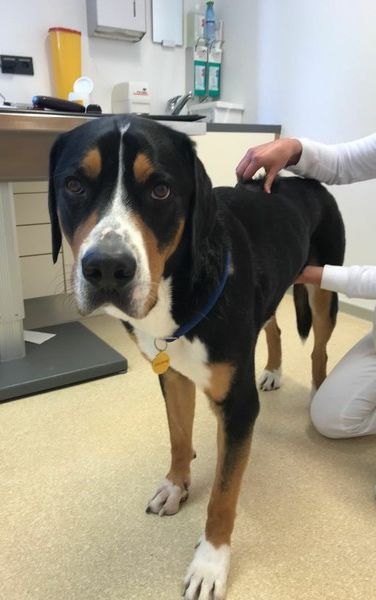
<point x="161" y="363"/>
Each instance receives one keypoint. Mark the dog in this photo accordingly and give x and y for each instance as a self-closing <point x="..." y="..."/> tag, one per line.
<point x="194" y="273"/>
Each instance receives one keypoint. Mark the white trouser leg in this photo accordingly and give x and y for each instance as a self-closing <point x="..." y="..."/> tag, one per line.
<point x="345" y="404"/>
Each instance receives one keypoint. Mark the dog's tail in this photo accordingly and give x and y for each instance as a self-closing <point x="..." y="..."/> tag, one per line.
<point x="302" y="310"/>
<point x="327" y="247"/>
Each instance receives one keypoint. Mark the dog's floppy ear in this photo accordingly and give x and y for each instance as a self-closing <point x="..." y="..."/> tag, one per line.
<point x="203" y="216"/>
<point x="52" y="202"/>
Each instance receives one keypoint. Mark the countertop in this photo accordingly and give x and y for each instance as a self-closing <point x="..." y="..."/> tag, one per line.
<point x="54" y="122"/>
<point x="26" y="138"/>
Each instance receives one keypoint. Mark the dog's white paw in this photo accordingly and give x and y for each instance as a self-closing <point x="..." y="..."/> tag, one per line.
<point x="167" y="499"/>
<point x="207" y="574"/>
<point x="270" y="380"/>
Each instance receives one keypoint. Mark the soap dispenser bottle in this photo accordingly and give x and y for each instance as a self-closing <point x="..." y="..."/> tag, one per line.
<point x="210" y="23"/>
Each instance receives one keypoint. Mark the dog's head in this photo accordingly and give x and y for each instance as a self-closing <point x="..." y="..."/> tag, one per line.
<point x="130" y="196"/>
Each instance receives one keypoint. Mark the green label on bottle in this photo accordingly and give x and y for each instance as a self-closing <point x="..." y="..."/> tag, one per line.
<point x="199" y="77"/>
<point x="214" y="79"/>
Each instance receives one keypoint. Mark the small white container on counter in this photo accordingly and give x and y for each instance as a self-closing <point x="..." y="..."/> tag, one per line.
<point x="131" y="97"/>
<point x="218" y="111"/>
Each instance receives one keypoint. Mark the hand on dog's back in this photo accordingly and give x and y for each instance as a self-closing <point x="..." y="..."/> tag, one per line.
<point x="272" y="156"/>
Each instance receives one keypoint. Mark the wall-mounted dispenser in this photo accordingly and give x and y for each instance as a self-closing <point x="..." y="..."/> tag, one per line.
<point x="131" y="97"/>
<point x="204" y="52"/>
<point x="197" y="70"/>
<point x="117" y="19"/>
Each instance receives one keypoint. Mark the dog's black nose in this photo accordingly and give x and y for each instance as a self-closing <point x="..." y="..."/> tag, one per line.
<point x="108" y="269"/>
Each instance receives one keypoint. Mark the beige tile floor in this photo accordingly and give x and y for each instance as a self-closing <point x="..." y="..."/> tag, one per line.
<point x="78" y="465"/>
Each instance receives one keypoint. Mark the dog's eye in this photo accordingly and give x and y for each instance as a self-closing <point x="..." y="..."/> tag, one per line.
<point x="160" y="192"/>
<point x="74" y="186"/>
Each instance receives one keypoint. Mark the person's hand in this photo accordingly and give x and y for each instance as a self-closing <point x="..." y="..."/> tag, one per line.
<point x="310" y="275"/>
<point x="273" y="156"/>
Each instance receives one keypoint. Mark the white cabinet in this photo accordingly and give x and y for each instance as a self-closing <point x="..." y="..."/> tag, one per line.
<point x="31" y="207"/>
<point x="221" y="151"/>
<point x="34" y="239"/>
<point x="117" y="19"/>
<point x="40" y="277"/>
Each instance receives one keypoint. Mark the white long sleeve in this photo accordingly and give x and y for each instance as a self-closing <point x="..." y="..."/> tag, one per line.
<point x="338" y="163"/>
<point x="355" y="281"/>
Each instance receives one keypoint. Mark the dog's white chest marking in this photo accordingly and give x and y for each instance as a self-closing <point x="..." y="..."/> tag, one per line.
<point x="186" y="357"/>
<point x="190" y="358"/>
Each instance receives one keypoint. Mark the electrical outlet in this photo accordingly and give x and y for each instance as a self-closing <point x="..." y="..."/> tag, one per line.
<point x="16" y="65"/>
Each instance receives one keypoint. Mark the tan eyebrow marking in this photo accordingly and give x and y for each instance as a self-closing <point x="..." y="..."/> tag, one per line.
<point x="92" y="163"/>
<point x="142" y="168"/>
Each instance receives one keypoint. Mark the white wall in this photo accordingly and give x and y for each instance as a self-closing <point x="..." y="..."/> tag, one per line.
<point x="315" y="74"/>
<point x="23" y="31"/>
<point x="240" y="67"/>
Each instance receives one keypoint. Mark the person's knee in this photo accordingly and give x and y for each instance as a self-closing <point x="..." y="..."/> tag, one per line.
<point x="325" y="418"/>
<point x="323" y="426"/>
<point x="334" y="419"/>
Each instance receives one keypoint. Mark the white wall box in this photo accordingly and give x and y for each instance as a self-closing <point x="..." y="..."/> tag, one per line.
<point x="117" y="19"/>
<point x="167" y="20"/>
<point x="219" y="111"/>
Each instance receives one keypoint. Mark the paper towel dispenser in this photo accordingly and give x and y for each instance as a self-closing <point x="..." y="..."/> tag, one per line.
<point x="117" y="19"/>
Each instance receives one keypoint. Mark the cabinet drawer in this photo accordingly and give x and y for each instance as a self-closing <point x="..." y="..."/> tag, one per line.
<point x="34" y="239"/>
<point x="26" y="187"/>
<point x="31" y="208"/>
<point x="40" y="277"/>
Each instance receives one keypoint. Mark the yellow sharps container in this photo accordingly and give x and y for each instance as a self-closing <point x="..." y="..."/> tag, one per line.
<point x="65" y="47"/>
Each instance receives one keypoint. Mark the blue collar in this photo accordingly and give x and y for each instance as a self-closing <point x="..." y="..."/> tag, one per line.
<point x="183" y="329"/>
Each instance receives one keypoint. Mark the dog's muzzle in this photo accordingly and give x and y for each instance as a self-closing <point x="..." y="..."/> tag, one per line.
<point x="108" y="267"/>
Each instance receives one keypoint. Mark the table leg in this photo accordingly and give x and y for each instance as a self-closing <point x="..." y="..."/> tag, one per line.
<point x="12" y="345"/>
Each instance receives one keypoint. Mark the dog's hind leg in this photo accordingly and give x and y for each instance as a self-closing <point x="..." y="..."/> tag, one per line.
<point x="271" y="376"/>
<point x="179" y="394"/>
<point x="323" y="305"/>
<point x="207" y="574"/>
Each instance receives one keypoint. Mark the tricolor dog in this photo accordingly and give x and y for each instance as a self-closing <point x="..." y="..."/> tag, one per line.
<point x="194" y="273"/>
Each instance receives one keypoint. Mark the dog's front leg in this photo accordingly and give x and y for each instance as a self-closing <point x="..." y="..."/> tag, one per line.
<point x="207" y="574"/>
<point x="179" y="394"/>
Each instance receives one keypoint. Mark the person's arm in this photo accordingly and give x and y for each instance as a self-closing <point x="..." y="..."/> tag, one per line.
<point x="354" y="282"/>
<point x="339" y="163"/>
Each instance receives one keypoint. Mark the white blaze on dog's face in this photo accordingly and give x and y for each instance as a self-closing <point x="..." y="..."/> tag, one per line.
<point x="122" y="199"/>
<point x="117" y="229"/>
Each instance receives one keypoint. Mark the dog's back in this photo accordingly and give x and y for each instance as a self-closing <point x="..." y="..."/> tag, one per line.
<point x="297" y="224"/>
